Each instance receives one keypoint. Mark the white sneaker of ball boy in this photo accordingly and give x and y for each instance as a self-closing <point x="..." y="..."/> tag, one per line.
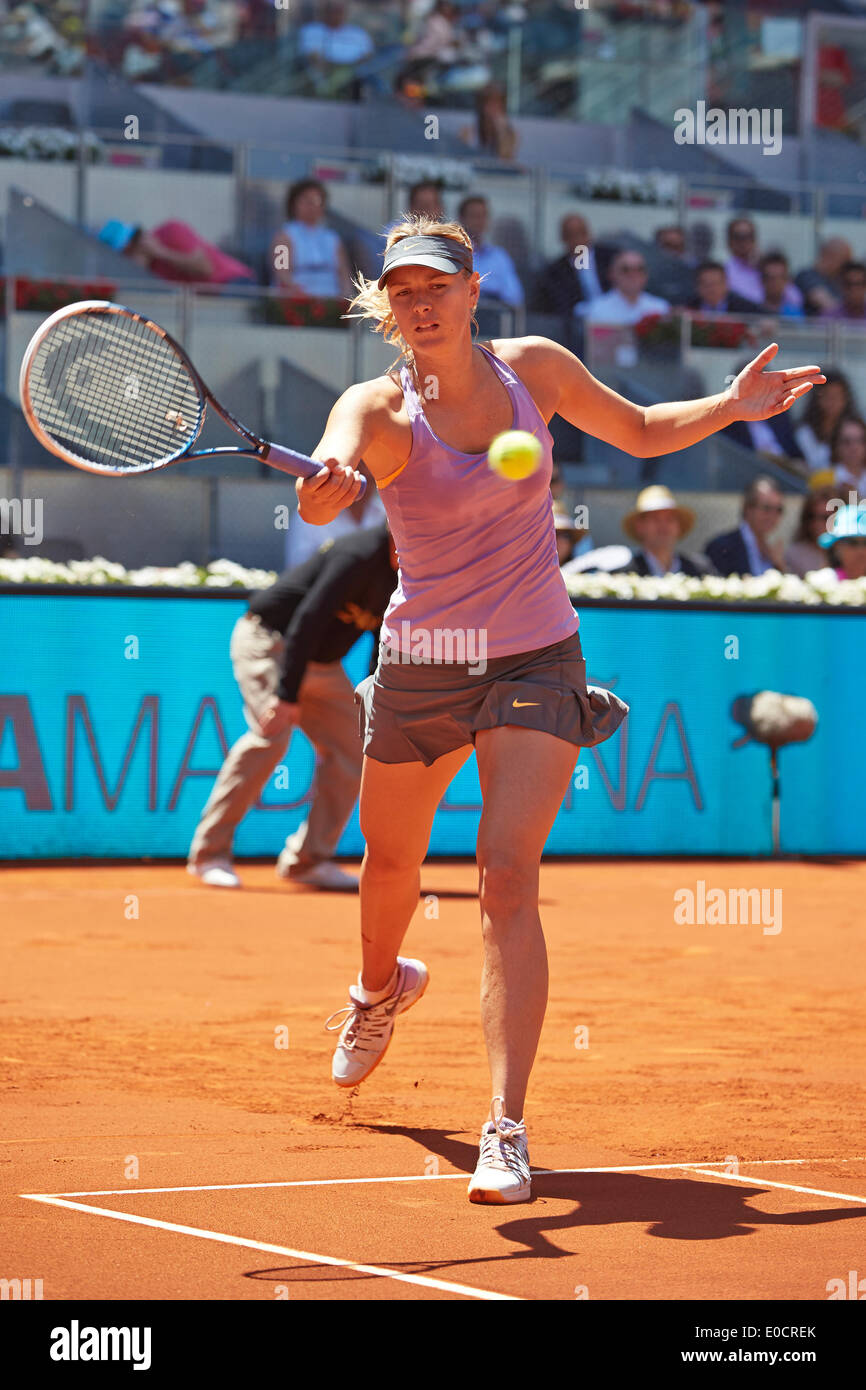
<point x="366" y="1026"/>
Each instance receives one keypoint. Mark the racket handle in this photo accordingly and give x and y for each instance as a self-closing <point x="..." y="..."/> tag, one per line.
<point x="288" y="461"/>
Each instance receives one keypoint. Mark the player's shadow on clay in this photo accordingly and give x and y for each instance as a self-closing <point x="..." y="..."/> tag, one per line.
<point x="686" y="1207"/>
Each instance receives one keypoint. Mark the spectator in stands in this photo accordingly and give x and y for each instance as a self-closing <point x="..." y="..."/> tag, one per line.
<point x="853" y="304"/>
<point x="672" y="239"/>
<point x="330" y="48"/>
<point x="175" y="251"/>
<point x="848" y="454"/>
<point x="743" y="270"/>
<point x="499" y="279"/>
<point x="671" y="268"/>
<point x="821" y="284"/>
<point x="493" y="134"/>
<point x="258" y="19"/>
<point x="627" y="302"/>
<point x="578" y="276"/>
<point x="776" y="280"/>
<point x="845" y="538"/>
<point x="424" y="198"/>
<point x="657" y="523"/>
<point x="307" y="258"/>
<point x="571" y="540"/>
<point x="714" y="295"/>
<point x="749" y="550"/>
<point x="740" y="268"/>
<point x="804" y="553"/>
<point x="441" y="40"/>
<point x="824" y="409"/>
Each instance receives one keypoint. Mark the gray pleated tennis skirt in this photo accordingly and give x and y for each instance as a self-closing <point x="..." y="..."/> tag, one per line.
<point x="416" y="712"/>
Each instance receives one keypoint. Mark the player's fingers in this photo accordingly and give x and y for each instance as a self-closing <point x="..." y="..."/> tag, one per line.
<point x="813" y="372"/>
<point x="794" y="395"/>
<point x="797" y="391"/>
<point x="317" y="481"/>
<point x="345" y="483"/>
<point x="759" y="363"/>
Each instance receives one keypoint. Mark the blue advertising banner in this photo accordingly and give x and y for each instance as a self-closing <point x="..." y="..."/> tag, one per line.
<point x="116" y="710"/>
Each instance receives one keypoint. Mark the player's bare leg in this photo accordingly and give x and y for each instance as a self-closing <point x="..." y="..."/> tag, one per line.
<point x="524" y="776"/>
<point x="398" y="803"/>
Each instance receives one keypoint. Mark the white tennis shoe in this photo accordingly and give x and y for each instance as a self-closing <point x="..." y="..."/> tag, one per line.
<point x="216" y="873"/>
<point x="367" y="1030"/>
<point x="502" y="1174"/>
<point x="326" y="875"/>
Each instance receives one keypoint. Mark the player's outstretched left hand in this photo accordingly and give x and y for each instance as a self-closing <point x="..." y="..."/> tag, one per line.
<point x="757" y="395"/>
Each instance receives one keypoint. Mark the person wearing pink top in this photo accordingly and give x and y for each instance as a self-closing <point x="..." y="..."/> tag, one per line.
<point x="175" y="251"/>
<point x="480" y="647"/>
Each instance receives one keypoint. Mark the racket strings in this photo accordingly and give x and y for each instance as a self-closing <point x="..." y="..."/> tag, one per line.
<point x="111" y="390"/>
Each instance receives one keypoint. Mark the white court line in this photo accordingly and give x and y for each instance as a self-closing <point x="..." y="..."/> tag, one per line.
<point x="432" y="1177"/>
<point x="425" y="1281"/>
<point x="345" y="1182"/>
<point x="774" y="1162"/>
<point x="788" y="1186"/>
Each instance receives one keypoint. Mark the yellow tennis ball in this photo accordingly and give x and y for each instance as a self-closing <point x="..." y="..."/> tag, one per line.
<point x="515" y="454"/>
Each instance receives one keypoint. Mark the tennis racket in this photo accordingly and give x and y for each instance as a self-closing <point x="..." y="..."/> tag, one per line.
<point x="108" y="390"/>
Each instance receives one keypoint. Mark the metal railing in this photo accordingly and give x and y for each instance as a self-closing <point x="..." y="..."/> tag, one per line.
<point x="264" y="161"/>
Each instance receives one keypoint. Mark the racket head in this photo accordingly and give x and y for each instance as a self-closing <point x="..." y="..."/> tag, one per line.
<point x="109" y="391"/>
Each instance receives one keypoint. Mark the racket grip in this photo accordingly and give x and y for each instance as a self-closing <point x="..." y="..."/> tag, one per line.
<point x="288" y="461"/>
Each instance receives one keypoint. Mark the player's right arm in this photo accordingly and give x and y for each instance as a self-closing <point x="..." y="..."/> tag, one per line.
<point x="353" y="426"/>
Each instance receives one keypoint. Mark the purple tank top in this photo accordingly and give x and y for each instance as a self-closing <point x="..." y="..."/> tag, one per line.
<point x="477" y="551"/>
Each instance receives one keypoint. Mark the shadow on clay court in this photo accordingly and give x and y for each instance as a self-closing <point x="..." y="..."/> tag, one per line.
<point x="681" y="1208"/>
<point x="684" y="1208"/>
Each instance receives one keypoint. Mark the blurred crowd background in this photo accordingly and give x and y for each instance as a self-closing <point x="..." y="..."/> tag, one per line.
<point x="230" y="167"/>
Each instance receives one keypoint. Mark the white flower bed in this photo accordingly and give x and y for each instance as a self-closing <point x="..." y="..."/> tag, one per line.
<point x="219" y="574"/>
<point x="629" y="186"/>
<point x="821" y="586"/>
<point x="46" y="142"/>
<point x="411" y="168"/>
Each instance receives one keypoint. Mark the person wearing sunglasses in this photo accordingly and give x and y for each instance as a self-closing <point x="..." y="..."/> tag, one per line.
<point x="845" y="538"/>
<point x="627" y="302"/>
<point x="749" y="550"/>
<point x="805" y="554"/>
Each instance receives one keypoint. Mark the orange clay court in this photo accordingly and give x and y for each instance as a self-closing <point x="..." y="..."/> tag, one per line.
<point x="697" y="1097"/>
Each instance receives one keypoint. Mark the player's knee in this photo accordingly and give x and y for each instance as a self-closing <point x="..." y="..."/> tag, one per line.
<point x="505" y="881"/>
<point x="390" y="859"/>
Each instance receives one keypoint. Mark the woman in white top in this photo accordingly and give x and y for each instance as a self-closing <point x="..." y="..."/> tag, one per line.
<point x="306" y="257"/>
<point x="824" y="410"/>
<point x="848" y="455"/>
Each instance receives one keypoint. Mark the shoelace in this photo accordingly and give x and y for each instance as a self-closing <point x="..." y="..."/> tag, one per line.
<point x="370" y="1022"/>
<point x="498" y="1149"/>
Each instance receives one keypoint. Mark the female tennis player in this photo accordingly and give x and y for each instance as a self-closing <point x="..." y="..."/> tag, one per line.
<point x="477" y="557"/>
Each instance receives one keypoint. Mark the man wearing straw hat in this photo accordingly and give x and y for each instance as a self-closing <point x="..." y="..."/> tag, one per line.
<point x="657" y="523"/>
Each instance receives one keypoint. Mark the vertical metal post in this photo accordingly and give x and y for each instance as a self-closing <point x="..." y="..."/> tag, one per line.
<point x="212" y="521"/>
<point x="241" y="174"/>
<point x="512" y="78"/>
<point x="819" y="204"/>
<point x="390" y="188"/>
<point x="81" y="180"/>
<point x="540" y="187"/>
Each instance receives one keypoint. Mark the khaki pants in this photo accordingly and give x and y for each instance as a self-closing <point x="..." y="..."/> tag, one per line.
<point x="328" y="718"/>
